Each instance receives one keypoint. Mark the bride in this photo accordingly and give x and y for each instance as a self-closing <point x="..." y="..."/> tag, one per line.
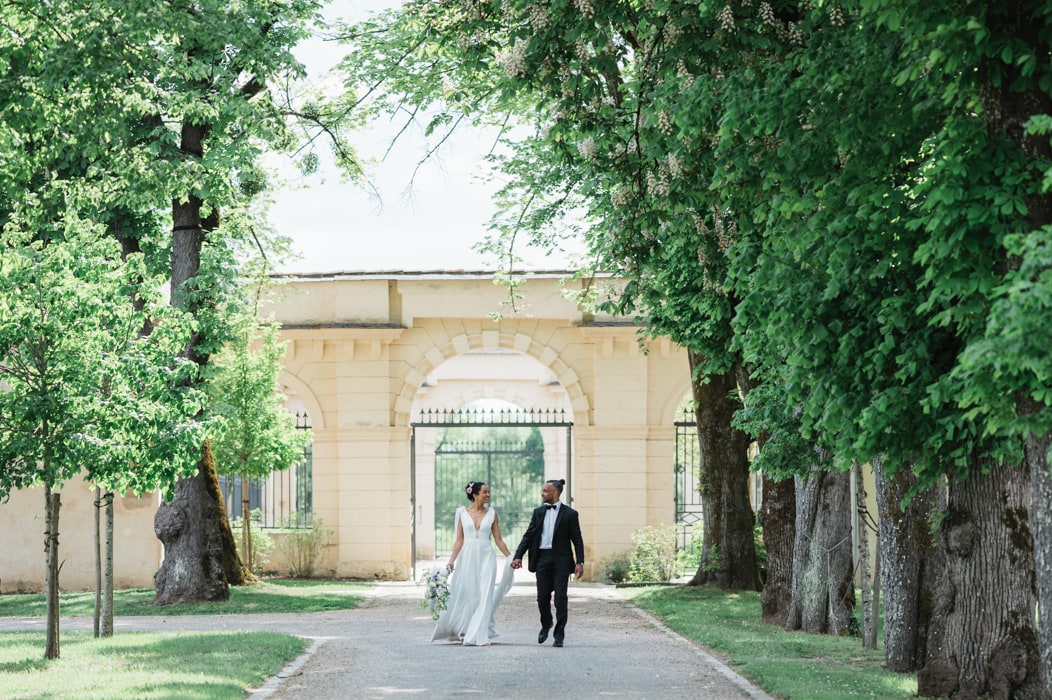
<point x="473" y="593"/>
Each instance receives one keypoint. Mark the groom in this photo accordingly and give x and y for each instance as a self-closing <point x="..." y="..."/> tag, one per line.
<point x="553" y="528"/>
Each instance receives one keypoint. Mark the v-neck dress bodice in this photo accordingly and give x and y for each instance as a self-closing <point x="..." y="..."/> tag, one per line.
<point x="474" y="594"/>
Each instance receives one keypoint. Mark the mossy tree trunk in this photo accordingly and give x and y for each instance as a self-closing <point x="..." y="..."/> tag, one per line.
<point x="909" y="566"/>
<point x="1037" y="450"/>
<point x="823" y="592"/>
<point x="200" y="562"/>
<point x="728" y="557"/>
<point x="778" y="517"/>
<point x="986" y="596"/>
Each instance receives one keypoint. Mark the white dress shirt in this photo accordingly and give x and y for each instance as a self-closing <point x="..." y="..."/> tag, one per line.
<point x="550" y="514"/>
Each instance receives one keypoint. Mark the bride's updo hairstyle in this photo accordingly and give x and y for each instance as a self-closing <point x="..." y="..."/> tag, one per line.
<point x="558" y="484"/>
<point x="472" y="488"/>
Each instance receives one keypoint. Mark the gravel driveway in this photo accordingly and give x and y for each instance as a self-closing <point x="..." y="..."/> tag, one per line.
<point x="381" y="650"/>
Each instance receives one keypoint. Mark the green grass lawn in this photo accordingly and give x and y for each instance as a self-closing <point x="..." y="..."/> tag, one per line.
<point x="161" y="665"/>
<point x="273" y="596"/>
<point x="183" y="665"/>
<point x="790" y="665"/>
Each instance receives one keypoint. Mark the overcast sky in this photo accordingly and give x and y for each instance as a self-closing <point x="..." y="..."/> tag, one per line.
<point x="431" y="225"/>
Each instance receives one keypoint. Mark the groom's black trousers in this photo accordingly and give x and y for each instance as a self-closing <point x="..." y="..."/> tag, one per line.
<point x="553" y="575"/>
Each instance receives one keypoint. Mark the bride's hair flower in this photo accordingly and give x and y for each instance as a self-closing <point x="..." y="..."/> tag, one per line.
<point x="437" y="583"/>
<point x="473" y="487"/>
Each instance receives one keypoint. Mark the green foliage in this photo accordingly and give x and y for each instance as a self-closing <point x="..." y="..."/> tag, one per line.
<point x="302" y="547"/>
<point x="868" y="243"/>
<point x="255" y="434"/>
<point x="761" y="550"/>
<point x="654" y="555"/>
<point x="688" y="558"/>
<point x="85" y="391"/>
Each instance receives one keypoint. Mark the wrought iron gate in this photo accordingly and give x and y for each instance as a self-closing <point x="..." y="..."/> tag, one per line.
<point x="688" y="473"/>
<point x="515" y="472"/>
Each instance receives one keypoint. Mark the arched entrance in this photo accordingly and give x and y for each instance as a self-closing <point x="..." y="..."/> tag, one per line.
<point x="491" y="415"/>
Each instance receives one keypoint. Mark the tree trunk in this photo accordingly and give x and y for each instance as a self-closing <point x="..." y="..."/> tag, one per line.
<point x="990" y="649"/>
<point x="52" y="505"/>
<point x="246" y="523"/>
<point x="208" y="533"/>
<point x="778" y="517"/>
<point x="869" y="617"/>
<point x="908" y="566"/>
<point x="728" y="557"/>
<point x="823" y="590"/>
<point x="1037" y="450"/>
<point x="107" y="571"/>
<point x="98" y="565"/>
<point x="193" y="568"/>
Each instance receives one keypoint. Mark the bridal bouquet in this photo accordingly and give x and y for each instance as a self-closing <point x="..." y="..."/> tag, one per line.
<point x="437" y="583"/>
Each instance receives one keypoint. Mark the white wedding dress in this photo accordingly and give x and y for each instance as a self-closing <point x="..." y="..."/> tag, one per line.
<point x="474" y="593"/>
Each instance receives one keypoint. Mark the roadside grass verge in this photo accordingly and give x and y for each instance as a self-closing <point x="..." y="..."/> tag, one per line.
<point x="189" y="666"/>
<point x="270" y="596"/>
<point x="790" y="665"/>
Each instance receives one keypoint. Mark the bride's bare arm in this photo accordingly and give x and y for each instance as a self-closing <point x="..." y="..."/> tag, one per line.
<point x="457" y="544"/>
<point x="497" y="538"/>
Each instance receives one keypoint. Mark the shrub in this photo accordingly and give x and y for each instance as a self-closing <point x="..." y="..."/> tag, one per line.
<point x="688" y="558"/>
<point x="654" y="557"/>
<point x="302" y="546"/>
<point x="615" y="569"/>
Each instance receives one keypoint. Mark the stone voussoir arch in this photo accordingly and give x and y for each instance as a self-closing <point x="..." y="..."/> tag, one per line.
<point x="302" y="391"/>
<point x="463" y="343"/>
<point x="670" y="409"/>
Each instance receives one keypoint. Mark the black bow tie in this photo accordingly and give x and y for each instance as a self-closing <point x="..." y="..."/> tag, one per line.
<point x="550" y="505"/>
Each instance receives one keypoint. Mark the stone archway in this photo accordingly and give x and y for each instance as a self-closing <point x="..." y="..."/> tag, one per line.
<point x="366" y="344"/>
<point x="527" y="393"/>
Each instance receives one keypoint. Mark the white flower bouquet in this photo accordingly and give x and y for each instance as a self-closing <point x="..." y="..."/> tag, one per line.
<point x="436" y="582"/>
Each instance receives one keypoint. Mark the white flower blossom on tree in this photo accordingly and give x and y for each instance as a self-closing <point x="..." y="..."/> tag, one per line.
<point x="587" y="149"/>
<point x="513" y="60"/>
<point x="585" y="7"/>
<point x="726" y="18"/>
<point x="767" y="14"/>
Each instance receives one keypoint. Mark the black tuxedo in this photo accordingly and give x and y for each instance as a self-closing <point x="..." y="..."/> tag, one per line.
<point x="567" y="532"/>
<point x="553" y="566"/>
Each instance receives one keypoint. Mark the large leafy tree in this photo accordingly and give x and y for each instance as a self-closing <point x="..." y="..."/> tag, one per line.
<point x="163" y="112"/>
<point x="879" y="242"/>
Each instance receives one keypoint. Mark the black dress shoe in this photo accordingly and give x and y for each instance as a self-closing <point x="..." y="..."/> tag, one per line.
<point x="557" y="643"/>
<point x="543" y="635"/>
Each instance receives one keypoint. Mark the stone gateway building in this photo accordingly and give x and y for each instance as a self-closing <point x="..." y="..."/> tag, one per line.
<point x="413" y="384"/>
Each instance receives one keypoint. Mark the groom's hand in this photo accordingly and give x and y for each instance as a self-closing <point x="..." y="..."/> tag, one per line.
<point x="516" y="563"/>
<point x="578" y="572"/>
